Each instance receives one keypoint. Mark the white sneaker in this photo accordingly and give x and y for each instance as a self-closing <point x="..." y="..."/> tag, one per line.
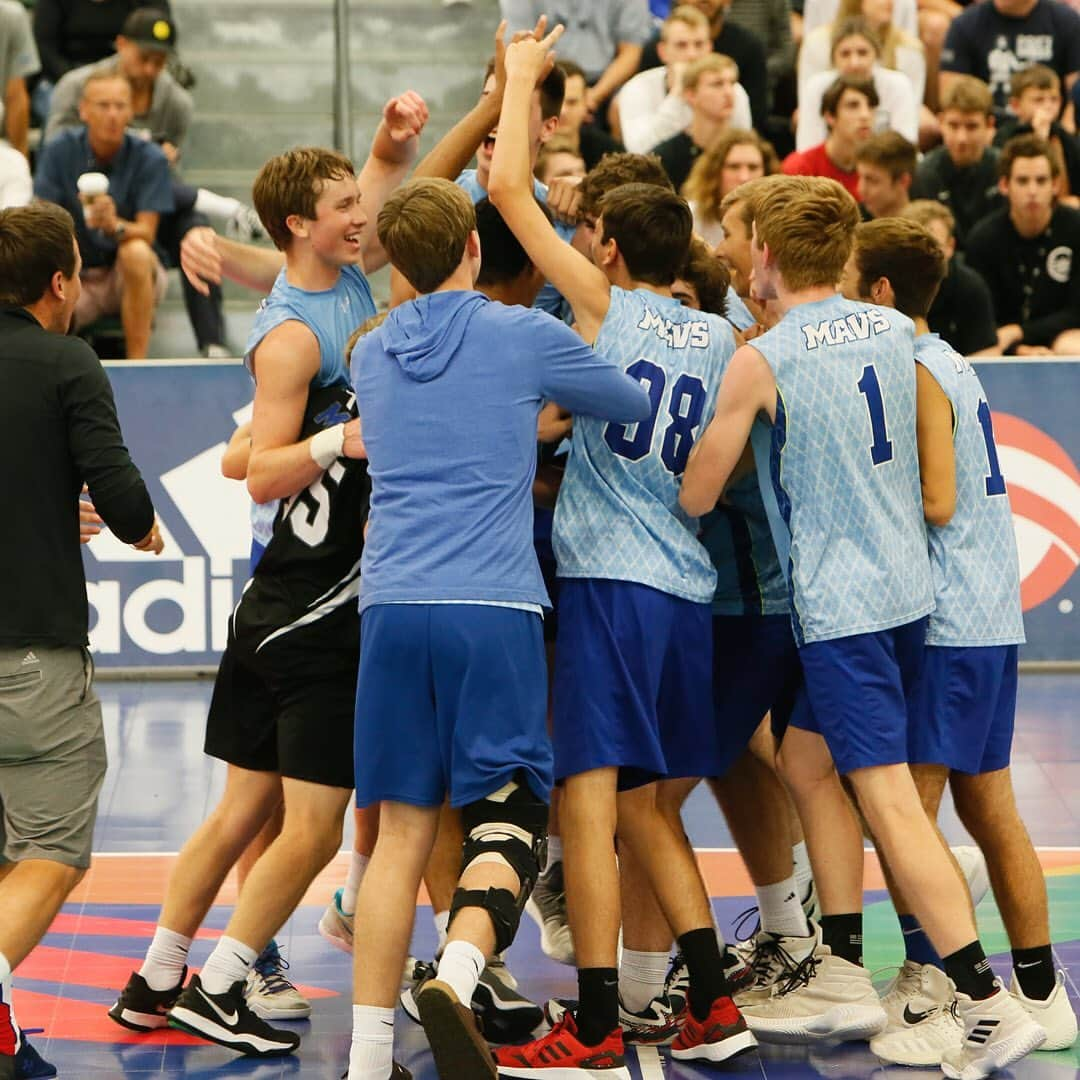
<point x="547" y="908"/>
<point x="825" y="997"/>
<point x="923" y="1024"/>
<point x="997" y="1032"/>
<point x="335" y="926"/>
<point x="1055" y="1014"/>
<point x="773" y="958"/>
<point x="269" y="993"/>
<point x="973" y="865"/>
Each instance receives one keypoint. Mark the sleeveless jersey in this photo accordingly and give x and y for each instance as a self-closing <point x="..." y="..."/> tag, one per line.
<point x="974" y="559"/>
<point x="840" y="466"/>
<point x="618" y="513"/>
<point x="738" y="314"/>
<point x="311" y="566"/>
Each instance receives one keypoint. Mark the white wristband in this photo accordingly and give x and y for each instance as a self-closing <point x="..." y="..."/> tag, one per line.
<point x="326" y="446"/>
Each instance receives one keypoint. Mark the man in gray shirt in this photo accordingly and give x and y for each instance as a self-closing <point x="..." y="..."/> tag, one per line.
<point x="18" y="59"/>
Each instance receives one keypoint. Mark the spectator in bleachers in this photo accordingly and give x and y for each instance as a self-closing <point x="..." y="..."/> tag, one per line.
<point x="709" y="87"/>
<point x="962" y="312"/>
<point x="743" y="46"/>
<point x="122" y="273"/>
<point x="558" y="157"/>
<point x="736" y="157"/>
<point x="590" y="141"/>
<point x="962" y="172"/>
<point x="819" y="13"/>
<point x="995" y="39"/>
<point x="603" y="37"/>
<point x="886" y="165"/>
<point x="18" y="61"/>
<point x="16" y="184"/>
<point x="848" y="108"/>
<point x="856" y="52"/>
<point x="1027" y="255"/>
<point x="770" y="22"/>
<point x="652" y="106"/>
<point x="1034" y="108"/>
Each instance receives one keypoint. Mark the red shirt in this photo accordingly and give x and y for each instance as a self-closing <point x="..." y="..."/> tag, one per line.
<point x="815" y="162"/>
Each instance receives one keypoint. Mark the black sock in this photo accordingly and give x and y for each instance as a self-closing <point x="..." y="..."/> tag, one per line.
<point x="970" y="971"/>
<point x="843" y="935"/>
<point x="598" y="1004"/>
<point x="706" y="968"/>
<point x="1034" y="970"/>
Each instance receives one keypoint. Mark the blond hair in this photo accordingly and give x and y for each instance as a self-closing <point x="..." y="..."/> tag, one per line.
<point x="363" y="330"/>
<point x="686" y="14"/>
<point x="702" y="186"/>
<point x="746" y="196"/>
<point x="706" y="65"/>
<point x="967" y="94"/>
<point x="925" y="211"/>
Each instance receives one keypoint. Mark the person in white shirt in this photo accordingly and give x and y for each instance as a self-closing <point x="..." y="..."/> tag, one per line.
<point x="16" y="183"/>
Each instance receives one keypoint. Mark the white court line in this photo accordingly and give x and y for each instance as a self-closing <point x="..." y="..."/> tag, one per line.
<point x="649" y="1062"/>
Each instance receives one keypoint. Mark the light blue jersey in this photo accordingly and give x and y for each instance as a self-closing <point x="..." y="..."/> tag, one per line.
<point x="618" y="515"/>
<point x="975" y="565"/>
<point x="738" y="314"/>
<point x="840" y="468"/>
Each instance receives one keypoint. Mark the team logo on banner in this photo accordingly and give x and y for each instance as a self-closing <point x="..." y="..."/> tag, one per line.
<point x="1044" y="492"/>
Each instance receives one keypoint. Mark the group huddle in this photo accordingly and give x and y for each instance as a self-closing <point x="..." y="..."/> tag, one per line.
<point x="781" y="559"/>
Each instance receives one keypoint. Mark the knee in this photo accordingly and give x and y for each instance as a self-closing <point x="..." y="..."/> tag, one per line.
<point x="136" y="258"/>
<point x="1067" y="343"/>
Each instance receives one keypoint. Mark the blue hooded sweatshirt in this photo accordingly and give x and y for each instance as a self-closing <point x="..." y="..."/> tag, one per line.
<point x="449" y="389"/>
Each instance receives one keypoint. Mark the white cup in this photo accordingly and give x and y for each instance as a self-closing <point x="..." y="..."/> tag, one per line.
<point x="90" y="185"/>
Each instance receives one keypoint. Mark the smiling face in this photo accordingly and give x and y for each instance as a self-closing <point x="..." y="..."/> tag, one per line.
<point x="540" y="130"/>
<point x="334" y="231"/>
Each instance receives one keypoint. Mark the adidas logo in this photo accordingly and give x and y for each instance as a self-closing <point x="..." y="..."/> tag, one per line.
<point x="982" y="1031"/>
<point x="29" y="658"/>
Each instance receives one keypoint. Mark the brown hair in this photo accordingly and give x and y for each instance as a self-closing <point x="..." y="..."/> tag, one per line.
<point x="830" y="100"/>
<point x="684" y="13"/>
<point x="291" y="183"/>
<point x="423" y="227"/>
<point x="702" y="186"/>
<point x="35" y="242"/>
<point x="652" y="228"/>
<point x="1033" y="77"/>
<point x="552" y="89"/>
<point x="808" y="227"/>
<point x="362" y="330"/>
<point x="907" y="255"/>
<point x="1027" y="146"/>
<point x="924" y="211"/>
<point x="706" y="65"/>
<point x="746" y="196"/>
<point x="614" y="170"/>
<point x="966" y="94"/>
<point x="854" y="26"/>
<point x="889" y="150"/>
<point x="708" y="275"/>
<point x="569" y="68"/>
<point x="557" y="144"/>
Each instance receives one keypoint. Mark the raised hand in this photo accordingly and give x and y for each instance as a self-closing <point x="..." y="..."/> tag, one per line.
<point x="533" y="57"/>
<point x="200" y="258"/>
<point x="405" y="116"/>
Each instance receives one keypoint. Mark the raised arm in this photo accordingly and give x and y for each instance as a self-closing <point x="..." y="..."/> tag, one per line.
<point x="510" y="189"/>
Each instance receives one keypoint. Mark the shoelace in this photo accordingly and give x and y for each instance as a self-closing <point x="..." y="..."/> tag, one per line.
<point x="770" y="961"/>
<point x="675" y="972"/>
<point x="271" y="972"/>
<point x="799" y="975"/>
<point x="743" y="919"/>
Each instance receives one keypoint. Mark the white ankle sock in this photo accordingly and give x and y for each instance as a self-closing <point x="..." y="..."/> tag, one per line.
<point x="371" y="1056"/>
<point x="442" y="926"/>
<point x="230" y="962"/>
<point x="214" y="205"/>
<point x="554" y="852"/>
<point x="460" y="967"/>
<point x="358" y="864"/>
<point x="165" y="959"/>
<point x="780" y="909"/>
<point x="641" y="977"/>
<point x="804" y="876"/>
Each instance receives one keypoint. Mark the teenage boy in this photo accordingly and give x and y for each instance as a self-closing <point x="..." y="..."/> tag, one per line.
<point x="886" y="165"/>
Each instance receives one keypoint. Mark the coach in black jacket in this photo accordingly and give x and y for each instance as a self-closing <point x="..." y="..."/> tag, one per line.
<point x="58" y="428"/>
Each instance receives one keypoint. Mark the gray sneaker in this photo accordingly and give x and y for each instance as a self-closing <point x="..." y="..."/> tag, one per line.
<point x="269" y="993"/>
<point x="547" y="908"/>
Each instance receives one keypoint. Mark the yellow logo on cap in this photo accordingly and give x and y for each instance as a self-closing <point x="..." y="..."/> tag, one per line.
<point x="162" y="30"/>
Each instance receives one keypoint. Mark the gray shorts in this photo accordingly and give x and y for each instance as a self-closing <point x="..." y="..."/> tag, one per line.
<point x="52" y="754"/>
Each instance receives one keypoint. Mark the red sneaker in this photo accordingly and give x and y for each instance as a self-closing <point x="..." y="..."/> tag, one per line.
<point x="721" y="1035"/>
<point x="560" y="1055"/>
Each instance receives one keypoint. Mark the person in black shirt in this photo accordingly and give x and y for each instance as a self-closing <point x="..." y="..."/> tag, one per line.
<point x="962" y="312"/>
<point x="58" y="428"/>
<point x="1026" y="253"/>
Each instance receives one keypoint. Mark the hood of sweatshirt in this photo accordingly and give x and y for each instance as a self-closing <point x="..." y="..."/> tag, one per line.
<point x="424" y="335"/>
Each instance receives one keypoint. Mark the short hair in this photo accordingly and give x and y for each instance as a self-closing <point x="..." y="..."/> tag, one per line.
<point x="925" y="211"/>
<point x="967" y="94"/>
<point x="905" y="253"/>
<point x="709" y="276"/>
<point x="502" y="258"/>
<point x="35" y="242"/>
<point x="889" y="150"/>
<point x="363" y="330"/>
<point x="557" y="144"/>
<point x="830" y="100"/>
<point x="702" y="186"/>
<point x="854" y="26"/>
<point x="569" y="68"/>
<point x="1033" y="77"/>
<point x="808" y="227"/>
<point x="291" y="183"/>
<point x="1027" y="146"/>
<point x="652" y="228"/>
<point x="552" y="89"/>
<point x="423" y="228"/>
<point x="687" y="14"/>
<point x="745" y="196"/>
<point x="706" y="65"/>
<point x="110" y="73"/>
<point x="614" y="170"/>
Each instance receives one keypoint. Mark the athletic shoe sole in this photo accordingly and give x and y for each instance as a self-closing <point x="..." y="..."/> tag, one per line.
<point x="725" y="1050"/>
<point x="999" y="1056"/>
<point x="299" y="1013"/>
<point x="456" y="1043"/>
<point x="565" y="1073"/>
<point x="842" y="1023"/>
<point x="252" y="1045"/>
<point x="138" y="1021"/>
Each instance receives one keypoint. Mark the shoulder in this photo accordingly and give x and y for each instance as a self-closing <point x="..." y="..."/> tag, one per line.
<point x="1068" y="218"/>
<point x="173" y="93"/>
<point x="988" y="228"/>
<point x="146" y="153"/>
<point x="1065" y="17"/>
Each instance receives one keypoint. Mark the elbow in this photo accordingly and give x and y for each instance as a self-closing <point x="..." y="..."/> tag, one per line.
<point x="497" y="189"/>
<point x="693" y="502"/>
<point x="259" y="488"/>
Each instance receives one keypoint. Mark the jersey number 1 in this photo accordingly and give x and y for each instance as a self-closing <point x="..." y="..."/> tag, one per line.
<point x="881" y="448"/>
<point x="995" y="482"/>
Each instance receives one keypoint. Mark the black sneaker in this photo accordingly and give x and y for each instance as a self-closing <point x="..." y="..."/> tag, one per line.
<point x="398" y="1072"/>
<point x="138" y="1008"/>
<point x="227" y="1020"/>
<point x="504" y="1015"/>
<point x="7" y="1067"/>
<point x="29" y="1064"/>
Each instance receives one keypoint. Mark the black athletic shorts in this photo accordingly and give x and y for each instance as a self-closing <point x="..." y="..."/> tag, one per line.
<point x="288" y="704"/>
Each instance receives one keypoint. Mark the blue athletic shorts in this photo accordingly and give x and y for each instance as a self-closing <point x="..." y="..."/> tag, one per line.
<point x="965" y="705"/>
<point x="756" y="671"/>
<point x="858" y="693"/>
<point x="450" y="699"/>
<point x="632" y="683"/>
